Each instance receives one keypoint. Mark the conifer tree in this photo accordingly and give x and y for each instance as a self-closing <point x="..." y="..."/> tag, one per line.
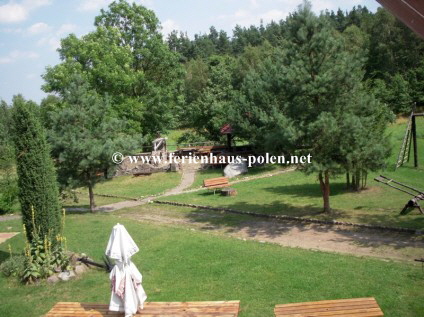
<point x="308" y="98"/>
<point x="38" y="191"/>
<point x="84" y="135"/>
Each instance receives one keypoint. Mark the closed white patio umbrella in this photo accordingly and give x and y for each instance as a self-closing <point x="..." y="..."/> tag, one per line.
<point x="127" y="292"/>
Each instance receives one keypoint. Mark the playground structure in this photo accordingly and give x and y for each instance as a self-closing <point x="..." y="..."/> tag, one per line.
<point x="417" y="194"/>
<point x="409" y="138"/>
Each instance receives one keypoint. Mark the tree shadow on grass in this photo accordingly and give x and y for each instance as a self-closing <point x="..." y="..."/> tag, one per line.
<point x="308" y="190"/>
<point x="413" y="220"/>
<point x="77" y="209"/>
<point x="4" y="256"/>
<point x="254" y="227"/>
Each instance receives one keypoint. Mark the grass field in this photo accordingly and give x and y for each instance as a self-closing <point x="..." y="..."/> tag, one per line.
<point x="173" y="137"/>
<point x="136" y="187"/>
<point x="185" y="265"/>
<point x="126" y="187"/>
<point x="84" y="202"/>
<point x="295" y="194"/>
<point x="217" y="172"/>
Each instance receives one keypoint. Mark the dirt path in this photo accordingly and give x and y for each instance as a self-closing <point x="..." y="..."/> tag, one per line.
<point x="187" y="178"/>
<point x="346" y="240"/>
<point x="9" y="217"/>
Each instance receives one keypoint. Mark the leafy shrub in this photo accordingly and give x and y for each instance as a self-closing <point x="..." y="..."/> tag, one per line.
<point x="13" y="266"/>
<point x="8" y="193"/>
<point x="43" y="257"/>
<point x="190" y="137"/>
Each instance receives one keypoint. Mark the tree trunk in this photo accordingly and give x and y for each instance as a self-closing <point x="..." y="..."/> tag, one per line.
<point x="364" y="179"/>
<point x="91" y="195"/>
<point x="357" y="180"/>
<point x="347" y="180"/>
<point x="324" y="182"/>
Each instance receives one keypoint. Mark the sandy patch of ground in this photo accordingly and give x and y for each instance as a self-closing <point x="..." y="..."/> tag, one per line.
<point x="4" y="236"/>
<point x="341" y="239"/>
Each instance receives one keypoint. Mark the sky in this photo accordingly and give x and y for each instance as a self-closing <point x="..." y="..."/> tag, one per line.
<point x="30" y="30"/>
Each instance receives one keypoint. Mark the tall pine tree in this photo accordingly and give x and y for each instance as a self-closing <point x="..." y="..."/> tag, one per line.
<point x="308" y="98"/>
<point x="84" y="135"/>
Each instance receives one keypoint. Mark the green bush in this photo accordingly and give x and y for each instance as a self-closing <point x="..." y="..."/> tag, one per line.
<point x="13" y="266"/>
<point x="8" y="194"/>
<point x="190" y="137"/>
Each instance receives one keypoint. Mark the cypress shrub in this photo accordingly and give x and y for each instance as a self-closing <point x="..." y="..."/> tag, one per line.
<point x="38" y="189"/>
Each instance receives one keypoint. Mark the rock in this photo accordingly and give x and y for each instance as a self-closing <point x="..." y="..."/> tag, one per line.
<point x="80" y="268"/>
<point x="234" y="169"/>
<point x="175" y="167"/>
<point x="53" y="279"/>
<point x="67" y="275"/>
<point x="73" y="259"/>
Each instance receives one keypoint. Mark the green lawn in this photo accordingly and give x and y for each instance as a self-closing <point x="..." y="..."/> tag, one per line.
<point x="218" y="172"/>
<point x="185" y="265"/>
<point x="136" y="187"/>
<point x="173" y="137"/>
<point x="84" y="202"/>
<point x="295" y="194"/>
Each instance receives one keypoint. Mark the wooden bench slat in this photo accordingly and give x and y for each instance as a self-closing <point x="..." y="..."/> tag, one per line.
<point x="376" y="314"/>
<point x="355" y="307"/>
<point x="97" y="314"/>
<point x="335" y="312"/>
<point x="229" y="303"/>
<point x="156" y="310"/>
<point x="326" y="306"/>
<point x="151" y="309"/>
<point x="364" y="299"/>
<point x="306" y="309"/>
<point x="215" y="183"/>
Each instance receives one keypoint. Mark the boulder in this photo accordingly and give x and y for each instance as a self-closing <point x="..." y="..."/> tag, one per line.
<point x="80" y="269"/>
<point x="235" y="169"/>
<point x="73" y="259"/>
<point x="53" y="279"/>
<point x="66" y="276"/>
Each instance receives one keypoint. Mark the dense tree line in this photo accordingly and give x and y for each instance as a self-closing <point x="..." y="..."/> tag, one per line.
<point x="394" y="64"/>
<point x="323" y="84"/>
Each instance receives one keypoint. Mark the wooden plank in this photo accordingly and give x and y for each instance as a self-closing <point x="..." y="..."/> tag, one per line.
<point x="329" y="301"/>
<point x="324" y="309"/>
<point x="218" y="186"/>
<point x="155" y="309"/>
<point x="218" y="182"/>
<point x="358" y="307"/>
<point x="330" y="305"/>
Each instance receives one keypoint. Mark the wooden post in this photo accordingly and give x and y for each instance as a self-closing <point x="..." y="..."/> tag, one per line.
<point x="414" y="140"/>
<point x="230" y="148"/>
